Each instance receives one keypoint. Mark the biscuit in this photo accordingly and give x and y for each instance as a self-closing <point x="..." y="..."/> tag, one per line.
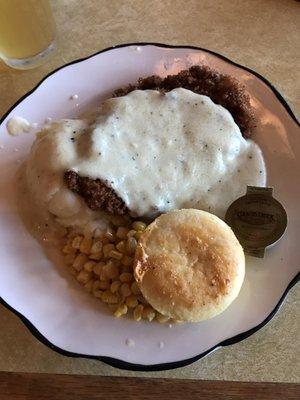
<point x="189" y="265"/>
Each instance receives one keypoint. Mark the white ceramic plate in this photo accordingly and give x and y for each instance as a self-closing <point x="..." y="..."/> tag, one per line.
<point x="51" y="303"/>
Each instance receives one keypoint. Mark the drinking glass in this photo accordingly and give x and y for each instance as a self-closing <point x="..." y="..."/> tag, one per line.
<point x="27" y="32"/>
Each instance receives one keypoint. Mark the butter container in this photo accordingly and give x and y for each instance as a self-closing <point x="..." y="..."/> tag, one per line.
<point x="257" y="219"/>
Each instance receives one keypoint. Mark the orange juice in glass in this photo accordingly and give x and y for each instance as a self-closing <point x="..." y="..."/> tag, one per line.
<point x="27" y="32"/>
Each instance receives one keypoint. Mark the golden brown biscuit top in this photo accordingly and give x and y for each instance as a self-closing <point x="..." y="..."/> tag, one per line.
<point x="189" y="265"/>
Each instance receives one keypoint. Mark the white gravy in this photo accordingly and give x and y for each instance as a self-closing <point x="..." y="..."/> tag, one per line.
<point x="158" y="152"/>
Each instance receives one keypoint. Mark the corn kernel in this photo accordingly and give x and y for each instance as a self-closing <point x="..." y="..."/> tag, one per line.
<point x="96" y="285"/>
<point x="127" y="261"/>
<point x="96" y="256"/>
<point x="109" y="297"/>
<point x="131" y="233"/>
<point x="135" y="288"/>
<point x="118" y="220"/>
<point x="114" y="287"/>
<point x="125" y="290"/>
<point x="138" y="235"/>
<point x="73" y="271"/>
<point x="88" y="231"/>
<point x="84" y="276"/>
<point x="113" y="307"/>
<point x="68" y="249"/>
<point x="137" y="312"/>
<point x="98" y="233"/>
<point x="131" y="245"/>
<point x="126" y="277"/>
<point x="69" y="259"/>
<point x="103" y="277"/>
<point x="139" y="226"/>
<point x="148" y="313"/>
<point x="117" y="263"/>
<point x="107" y="248"/>
<point x="121" y="310"/>
<point x="126" y="268"/>
<point x="77" y="241"/>
<point x="79" y="261"/>
<point x="110" y="270"/>
<point x="104" y="285"/>
<point x="89" y="286"/>
<point x="89" y="266"/>
<point x="98" y="268"/>
<point x="131" y="301"/>
<point x="121" y="246"/>
<point x="122" y="232"/>
<point x="104" y="240"/>
<point x="110" y="235"/>
<point x="115" y="254"/>
<point x="98" y="293"/>
<point x="162" y="318"/>
<point x="96" y="247"/>
<point x="85" y="245"/>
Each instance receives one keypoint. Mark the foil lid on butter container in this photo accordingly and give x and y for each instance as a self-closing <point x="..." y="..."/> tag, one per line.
<point x="257" y="219"/>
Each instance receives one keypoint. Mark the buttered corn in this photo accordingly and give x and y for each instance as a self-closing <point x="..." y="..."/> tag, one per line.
<point x="79" y="261"/>
<point x="89" y="266"/>
<point x="121" y="310"/>
<point x="77" y="241"/>
<point x="85" y="245"/>
<point x="131" y="301"/>
<point x="125" y="290"/>
<point x="107" y="248"/>
<point x="121" y="247"/>
<point x="97" y="293"/>
<point x="98" y="268"/>
<point x="96" y="247"/>
<point x="148" y="313"/>
<point x="84" y="276"/>
<point x="115" y="286"/>
<point x="138" y="312"/>
<point x="131" y="245"/>
<point x="103" y="263"/>
<point x="134" y="288"/>
<point x="96" y="256"/>
<point x="122" y="232"/>
<point x="68" y="249"/>
<point x="69" y="259"/>
<point x="109" y="297"/>
<point x="139" y="226"/>
<point x="126" y="277"/>
<point x="110" y="271"/>
<point x="115" y="254"/>
<point x="161" y="318"/>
